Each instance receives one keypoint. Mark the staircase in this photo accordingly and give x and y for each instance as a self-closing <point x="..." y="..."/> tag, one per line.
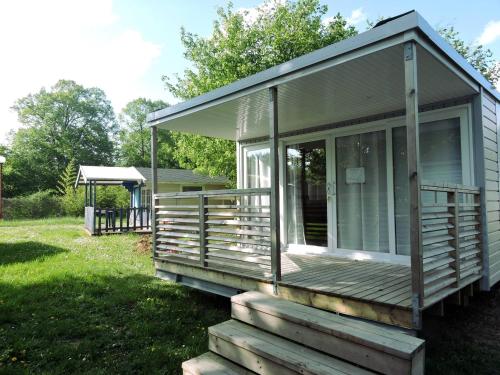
<point x="269" y="335"/>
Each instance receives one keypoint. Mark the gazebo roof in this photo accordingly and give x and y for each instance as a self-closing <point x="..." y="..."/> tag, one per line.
<point x="108" y="175"/>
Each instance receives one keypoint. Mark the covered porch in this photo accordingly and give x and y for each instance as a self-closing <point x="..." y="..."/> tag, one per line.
<point x="413" y="235"/>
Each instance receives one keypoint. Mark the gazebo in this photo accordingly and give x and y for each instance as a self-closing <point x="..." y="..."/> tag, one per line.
<point x="100" y="220"/>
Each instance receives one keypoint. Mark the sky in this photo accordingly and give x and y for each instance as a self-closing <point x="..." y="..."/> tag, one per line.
<point x="125" y="47"/>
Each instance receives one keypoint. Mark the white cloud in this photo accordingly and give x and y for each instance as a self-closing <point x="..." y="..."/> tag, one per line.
<point x="357" y="16"/>
<point x="490" y="33"/>
<point x="44" y="41"/>
<point x="250" y="14"/>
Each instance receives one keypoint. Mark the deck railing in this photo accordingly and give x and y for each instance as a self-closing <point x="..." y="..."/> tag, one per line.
<point x="451" y="239"/>
<point x="117" y="220"/>
<point x="228" y="229"/>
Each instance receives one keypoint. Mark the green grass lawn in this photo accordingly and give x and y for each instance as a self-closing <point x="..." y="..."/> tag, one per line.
<point x="71" y="303"/>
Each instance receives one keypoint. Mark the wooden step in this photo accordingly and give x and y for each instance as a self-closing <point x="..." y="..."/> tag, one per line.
<point x="371" y="346"/>
<point x="265" y="353"/>
<point x="212" y="364"/>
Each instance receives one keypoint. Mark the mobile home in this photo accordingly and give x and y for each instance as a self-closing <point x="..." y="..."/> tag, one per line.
<point x="368" y="180"/>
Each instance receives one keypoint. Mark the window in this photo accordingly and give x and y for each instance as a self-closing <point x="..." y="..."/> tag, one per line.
<point x="145" y="197"/>
<point x="257" y="169"/>
<point x="192" y="188"/>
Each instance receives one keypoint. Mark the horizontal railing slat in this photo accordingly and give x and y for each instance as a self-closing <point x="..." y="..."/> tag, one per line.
<point x="215" y="193"/>
<point x="451" y="238"/>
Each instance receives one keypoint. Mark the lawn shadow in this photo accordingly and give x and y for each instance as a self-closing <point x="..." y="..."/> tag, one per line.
<point x="21" y="252"/>
<point x="104" y="324"/>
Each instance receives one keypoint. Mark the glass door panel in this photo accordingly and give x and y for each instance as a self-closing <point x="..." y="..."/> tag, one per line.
<point x="361" y="176"/>
<point x="306" y="194"/>
<point x="441" y="161"/>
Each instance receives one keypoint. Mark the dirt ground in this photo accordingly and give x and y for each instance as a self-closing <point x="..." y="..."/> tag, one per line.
<point x="467" y="339"/>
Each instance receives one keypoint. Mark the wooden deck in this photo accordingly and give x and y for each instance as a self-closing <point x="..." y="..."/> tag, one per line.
<point x="366" y="289"/>
<point x="364" y="280"/>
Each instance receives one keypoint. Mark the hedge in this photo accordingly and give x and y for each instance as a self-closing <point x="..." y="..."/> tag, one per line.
<point x="34" y="206"/>
<point x="48" y="204"/>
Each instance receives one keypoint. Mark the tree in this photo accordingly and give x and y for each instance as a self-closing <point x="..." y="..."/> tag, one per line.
<point x="241" y="45"/>
<point x="66" y="183"/>
<point x="72" y="200"/>
<point x="479" y="57"/>
<point x="67" y="122"/>
<point x="135" y="136"/>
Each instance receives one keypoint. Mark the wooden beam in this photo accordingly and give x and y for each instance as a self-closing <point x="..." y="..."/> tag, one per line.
<point x="275" y="204"/>
<point x="154" y="184"/>
<point x="412" y="139"/>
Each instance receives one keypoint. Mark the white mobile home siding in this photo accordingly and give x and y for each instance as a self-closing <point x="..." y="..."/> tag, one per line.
<point x="492" y="188"/>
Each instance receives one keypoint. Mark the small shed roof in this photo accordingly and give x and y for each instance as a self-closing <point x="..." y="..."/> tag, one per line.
<point x="108" y="175"/>
<point x="182" y="176"/>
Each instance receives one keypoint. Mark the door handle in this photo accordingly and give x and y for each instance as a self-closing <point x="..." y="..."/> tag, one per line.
<point x="330" y="189"/>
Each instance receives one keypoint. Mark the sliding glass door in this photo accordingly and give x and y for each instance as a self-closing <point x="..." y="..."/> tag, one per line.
<point x="347" y="193"/>
<point x="361" y="178"/>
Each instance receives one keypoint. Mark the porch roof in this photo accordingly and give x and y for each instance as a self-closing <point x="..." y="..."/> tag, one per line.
<point x="108" y="175"/>
<point x="347" y="81"/>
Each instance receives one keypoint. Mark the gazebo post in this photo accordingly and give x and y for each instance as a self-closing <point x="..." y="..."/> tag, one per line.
<point x="95" y="193"/>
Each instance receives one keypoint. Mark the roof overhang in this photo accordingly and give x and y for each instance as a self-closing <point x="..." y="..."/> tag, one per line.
<point x="108" y="175"/>
<point x="354" y="78"/>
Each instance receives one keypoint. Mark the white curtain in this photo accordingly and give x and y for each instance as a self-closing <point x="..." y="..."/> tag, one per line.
<point x="258" y="173"/>
<point x="295" y="212"/>
<point x="362" y="199"/>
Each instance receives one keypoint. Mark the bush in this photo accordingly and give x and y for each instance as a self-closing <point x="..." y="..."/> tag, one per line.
<point x="73" y="202"/>
<point x="34" y="206"/>
<point x="112" y="196"/>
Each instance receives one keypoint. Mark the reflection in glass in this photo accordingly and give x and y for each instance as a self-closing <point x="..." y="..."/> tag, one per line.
<point x="306" y="194"/>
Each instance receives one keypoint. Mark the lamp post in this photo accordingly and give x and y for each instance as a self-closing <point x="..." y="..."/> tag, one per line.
<point x="2" y="161"/>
